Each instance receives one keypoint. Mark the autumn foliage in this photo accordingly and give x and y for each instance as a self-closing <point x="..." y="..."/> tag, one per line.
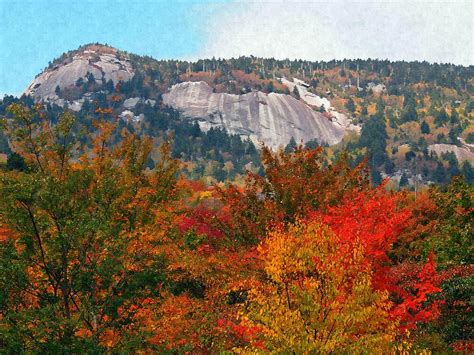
<point x="101" y="254"/>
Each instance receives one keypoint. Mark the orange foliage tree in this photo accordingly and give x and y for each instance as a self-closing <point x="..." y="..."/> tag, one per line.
<point x="317" y="295"/>
<point x="79" y="259"/>
<point x="101" y="254"/>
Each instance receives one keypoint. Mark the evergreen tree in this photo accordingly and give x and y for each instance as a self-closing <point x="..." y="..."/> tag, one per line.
<point x="291" y="146"/>
<point x="454" y="117"/>
<point x="453" y="166"/>
<point x="195" y="130"/>
<point x="410" y="155"/>
<point x="453" y="136"/>
<point x="110" y="86"/>
<point x="409" y="114"/>
<point x="90" y="78"/>
<point x="409" y="99"/>
<point x="296" y="92"/>
<point x="441" y="118"/>
<point x="350" y="105"/>
<point x="376" y="177"/>
<point x="441" y="138"/>
<point x="270" y="87"/>
<point x="470" y="138"/>
<point x="439" y="175"/>
<point x="470" y="107"/>
<point x="425" y="128"/>
<point x="389" y="166"/>
<point x="374" y="138"/>
<point x="312" y="144"/>
<point x="403" y="180"/>
<point x="468" y="172"/>
<point x="380" y="106"/>
<point x="16" y="162"/>
<point x="4" y="147"/>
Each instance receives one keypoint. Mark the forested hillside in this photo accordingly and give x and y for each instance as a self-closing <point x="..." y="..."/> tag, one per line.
<point x="104" y="250"/>
<point x="412" y="120"/>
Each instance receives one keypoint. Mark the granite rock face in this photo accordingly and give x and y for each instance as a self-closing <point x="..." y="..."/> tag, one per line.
<point x="269" y="118"/>
<point x="463" y="153"/>
<point x="103" y="63"/>
<point x="314" y="100"/>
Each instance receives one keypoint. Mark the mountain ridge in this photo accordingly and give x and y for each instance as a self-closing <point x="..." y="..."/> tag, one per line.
<point x="275" y="126"/>
<point x="412" y="116"/>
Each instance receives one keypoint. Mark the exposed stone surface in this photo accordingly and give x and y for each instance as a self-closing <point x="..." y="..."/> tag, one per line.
<point x="131" y="102"/>
<point x="150" y="102"/>
<point x="129" y="116"/>
<point x="462" y="153"/>
<point x="308" y="97"/>
<point x="272" y="119"/>
<point x="311" y="99"/>
<point x="376" y="88"/>
<point x="103" y="64"/>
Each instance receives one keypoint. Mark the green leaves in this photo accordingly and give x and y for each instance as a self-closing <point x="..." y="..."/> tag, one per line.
<point x="74" y="218"/>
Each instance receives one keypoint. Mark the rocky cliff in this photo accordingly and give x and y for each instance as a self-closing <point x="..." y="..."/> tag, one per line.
<point x="465" y="152"/>
<point x="269" y="118"/>
<point x="103" y="63"/>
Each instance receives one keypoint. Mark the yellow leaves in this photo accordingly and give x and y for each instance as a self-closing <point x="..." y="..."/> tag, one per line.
<point x="204" y="195"/>
<point x="287" y="254"/>
<point x="318" y="296"/>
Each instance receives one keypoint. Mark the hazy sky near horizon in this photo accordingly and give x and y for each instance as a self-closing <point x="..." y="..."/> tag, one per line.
<point x="34" y="32"/>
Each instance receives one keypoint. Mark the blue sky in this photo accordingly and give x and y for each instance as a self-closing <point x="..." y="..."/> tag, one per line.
<point x="32" y="33"/>
<point x="35" y="32"/>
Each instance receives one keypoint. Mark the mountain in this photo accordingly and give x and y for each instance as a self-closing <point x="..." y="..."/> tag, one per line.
<point x="412" y="118"/>
<point x="269" y="118"/>
<point x="92" y="63"/>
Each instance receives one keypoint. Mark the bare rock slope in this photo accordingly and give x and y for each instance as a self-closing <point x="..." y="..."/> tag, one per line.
<point x="463" y="153"/>
<point x="314" y="100"/>
<point x="269" y="118"/>
<point x="104" y="63"/>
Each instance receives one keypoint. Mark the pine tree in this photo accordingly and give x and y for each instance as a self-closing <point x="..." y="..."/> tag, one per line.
<point x="468" y="172"/>
<point x="441" y="118"/>
<point x="350" y="105"/>
<point x="389" y="166"/>
<point x="376" y="177"/>
<point x="296" y="92"/>
<point x="409" y="114"/>
<point x="403" y="180"/>
<point x="454" y="117"/>
<point x="439" y="175"/>
<point x="16" y="162"/>
<point x="291" y="146"/>
<point x="425" y="128"/>
<point x="453" y="167"/>
<point x="374" y="137"/>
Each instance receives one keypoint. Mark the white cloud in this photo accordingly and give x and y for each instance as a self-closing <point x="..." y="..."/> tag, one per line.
<point x="409" y="30"/>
